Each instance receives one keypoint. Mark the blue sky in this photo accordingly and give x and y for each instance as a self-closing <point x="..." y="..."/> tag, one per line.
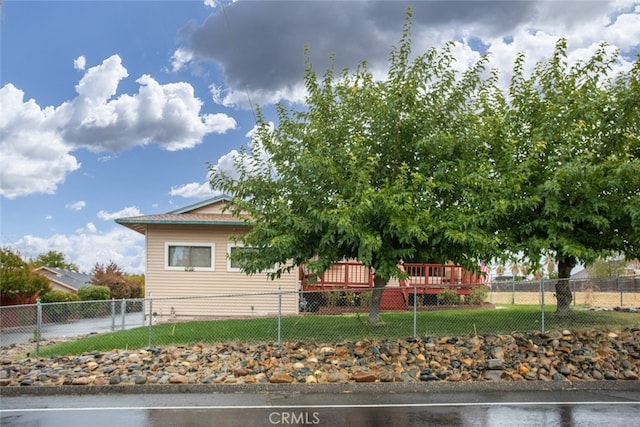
<point x="112" y="109"/>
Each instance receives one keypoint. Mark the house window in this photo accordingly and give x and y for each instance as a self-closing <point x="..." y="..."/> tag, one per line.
<point x="234" y="266"/>
<point x="189" y="256"/>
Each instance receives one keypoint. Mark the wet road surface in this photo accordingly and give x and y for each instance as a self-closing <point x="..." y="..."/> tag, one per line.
<point x="353" y="409"/>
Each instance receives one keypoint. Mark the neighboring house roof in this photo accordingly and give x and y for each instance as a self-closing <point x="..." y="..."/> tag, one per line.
<point x="582" y="274"/>
<point x="184" y="216"/>
<point x="71" y="280"/>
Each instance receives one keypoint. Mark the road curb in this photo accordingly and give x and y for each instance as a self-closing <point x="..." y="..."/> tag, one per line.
<point x="346" y="388"/>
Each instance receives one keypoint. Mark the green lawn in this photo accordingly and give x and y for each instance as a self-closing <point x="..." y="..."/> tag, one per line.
<point x="351" y="327"/>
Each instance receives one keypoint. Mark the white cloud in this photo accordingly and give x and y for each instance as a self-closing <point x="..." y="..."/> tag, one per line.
<point x="216" y="93"/>
<point x="225" y="164"/>
<point x="76" y="206"/>
<point x="107" y="158"/>
<point x="48" y="218"/>
<point x="216" y="3"/>
<point x="124" y="213"/>
<point x="231" y="98"/>
<point x="80" y="63"/>
<point x="37" y="143"/>
<point x="180" y="58"/>
<point x="87" y="247"/>
<point x="101" y="82"/>
<point x="193" y="189"/>
<point x="168" y="115"/>
<point x="35" y="158"/>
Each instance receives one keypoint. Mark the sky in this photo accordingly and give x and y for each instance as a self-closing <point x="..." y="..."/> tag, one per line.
<point x="111" y="109"/>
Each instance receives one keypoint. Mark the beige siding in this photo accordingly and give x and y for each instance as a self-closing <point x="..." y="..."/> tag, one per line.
<point x="214" y="208"/>
<point x="193" y="294"/>
<point x="58" y="287"/>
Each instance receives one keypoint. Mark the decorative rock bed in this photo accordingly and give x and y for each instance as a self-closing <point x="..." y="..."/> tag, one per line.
<point x="553" y="356"/>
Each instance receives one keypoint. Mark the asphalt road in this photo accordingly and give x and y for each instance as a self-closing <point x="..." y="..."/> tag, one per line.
<point x="347" y="406"/>
<point x="73" y="329"/>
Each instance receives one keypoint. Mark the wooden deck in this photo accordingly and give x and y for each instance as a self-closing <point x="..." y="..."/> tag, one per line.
<point x="423" y="279"/>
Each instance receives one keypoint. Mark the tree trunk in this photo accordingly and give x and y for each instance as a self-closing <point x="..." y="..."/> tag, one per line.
<point x="563" y="287"/>
<point x="376" y="297"/>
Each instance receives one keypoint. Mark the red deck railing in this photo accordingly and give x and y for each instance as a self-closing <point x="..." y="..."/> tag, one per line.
<point x="352" y="274"/>
<point x="438" y="274"/>
<point x="422" y="278"/>
<point x="343" y="275"/>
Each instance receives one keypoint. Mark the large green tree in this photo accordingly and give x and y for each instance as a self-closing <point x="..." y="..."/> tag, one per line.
<point x="18" y="283"/>
<point x="566" y="148"/>
<point x="54" y="259"/>
<point x="373" y="170"/>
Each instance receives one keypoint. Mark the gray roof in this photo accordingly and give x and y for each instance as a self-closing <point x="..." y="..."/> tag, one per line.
<point x="69" y="278"/>
<point x="202" y="203"/>
<point x="183" y="216"/>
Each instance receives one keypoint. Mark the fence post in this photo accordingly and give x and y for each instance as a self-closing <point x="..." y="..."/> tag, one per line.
<point x="415" y="311"/>
<point x="542" y="304"/>
<point x="619" y="288"/>
<point x="113" y="314"/>
<point x="123" y="311"/>
<point x="279" y="315"/>
<point x="38" y="326"/>
<point x="150" y="321"/>
<point x="513" y="291"/>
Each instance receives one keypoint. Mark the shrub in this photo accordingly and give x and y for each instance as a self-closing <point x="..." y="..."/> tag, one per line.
<point x="448" y="297"/>
<point x="59" y="306"/>
<point x="58" y="296"/>
<point x="478" y="295"/>
<point x="99" y="305"/>
<point x="348" y="299"/>
<point x="94" y="293"/>
<point x="365" y="298"/>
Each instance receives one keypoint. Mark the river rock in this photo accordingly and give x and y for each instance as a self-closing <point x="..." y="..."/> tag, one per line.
<point x="281" y="378"/>
<point x="493" y="375"/>
<point x="178" y="379"/>
<point x="364" y="377"/>
<point x="558" y="355"/>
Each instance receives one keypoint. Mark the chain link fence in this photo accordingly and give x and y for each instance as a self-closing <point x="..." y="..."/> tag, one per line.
<point x="605" y="293"/>
<point x="323" y="315"/>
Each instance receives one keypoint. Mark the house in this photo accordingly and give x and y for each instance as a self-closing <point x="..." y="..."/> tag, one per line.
<point x="188" y="271"/>
<point x="64" y="280"/>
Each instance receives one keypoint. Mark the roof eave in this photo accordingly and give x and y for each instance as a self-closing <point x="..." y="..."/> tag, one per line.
<point x="140" y="224"/>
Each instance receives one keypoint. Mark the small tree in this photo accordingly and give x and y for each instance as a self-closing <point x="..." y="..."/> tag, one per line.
<point x="112" y="276"/>
<point x="136" y="282"/>
<point x="18" y="283"/>
<point x="611" y="266"/>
